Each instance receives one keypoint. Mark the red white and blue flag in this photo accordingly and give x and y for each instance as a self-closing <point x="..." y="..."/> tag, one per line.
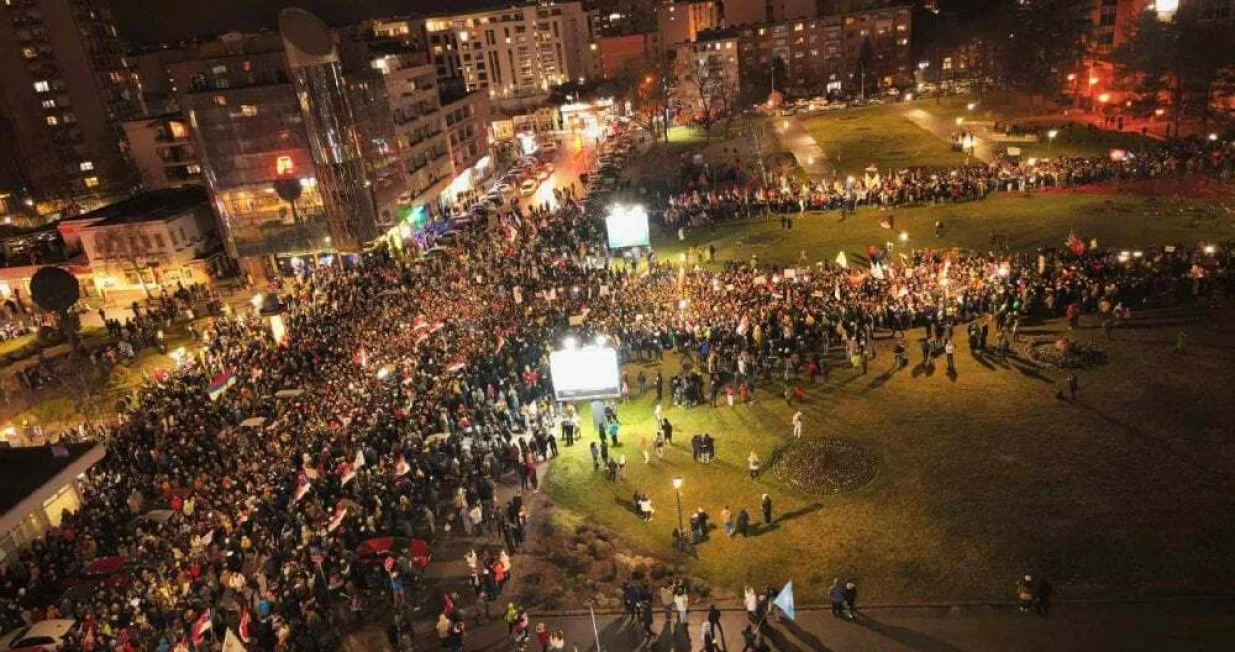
<point x="220" y="383"/>
<point x="336" y="519"/>
<point x="245" y="619"/>
<point x="347" y="473"/>
<point x="203" y="625"/>
<point x="302" y="487"/>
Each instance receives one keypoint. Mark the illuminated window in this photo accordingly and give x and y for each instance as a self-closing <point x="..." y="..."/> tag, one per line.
<point x="41" y="86"/>
<point x="220" y="100"/>
<point x="30" y="53"/>
<point x="86" y="166"/>
<point x="178" y="130"/>
<point x="91" y="182"/>
<point x="52" y="120"/>
<point x="283" y="165"/>
<point x="248" y="110"/>
<point x="49" y="104"/>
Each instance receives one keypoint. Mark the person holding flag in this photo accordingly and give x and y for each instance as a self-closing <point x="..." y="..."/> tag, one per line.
<point x="203" y="624"/>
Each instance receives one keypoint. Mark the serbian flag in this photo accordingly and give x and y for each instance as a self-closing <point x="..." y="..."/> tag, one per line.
<point x="358" y="462"/>
<point x="359" y="357"/>
<point x="421" y="338"/>
<point x="437" y="327"/>
<point x="336" y="519"/>
<point x="302" y="487"/>
<point x="420" y="324"/>
<point x="401" y="467"/>
<point x="245" y="619"/>
<point x="220" y="383"/>
<point x="347" y="473"/>
<point x="456" y="367"/>
<point x="203" y="625"/>
<point x="501" y="342"/>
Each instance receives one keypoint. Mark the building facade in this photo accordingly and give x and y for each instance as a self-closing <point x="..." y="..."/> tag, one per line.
<point x="162" y="149"/>
<point x="620" y="55"/>
<point x="681" y="22"/>
<point x="515" y="51"/>
<point x="420" y="132"/>
<point x="65" y="85"/>
<point x="151" y="242"/>
<point x="707" y="76"/>
<point x="467" y="121"/>
<point x="754" y="12"/>
<point x="836" y="53"/>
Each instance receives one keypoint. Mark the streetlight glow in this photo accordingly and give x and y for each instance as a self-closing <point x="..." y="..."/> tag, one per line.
<point x="971" y="106"/>
<point x="256" y="300"/>
<point x="1213" y="136"/>
<point x="904" y="236"/>
<point x="960" y="120"/>
<point x="677" y="483"/>
<point x="1052" y="133"/>
<point x="1104" y="98"/>
<point x="570" y="342"/>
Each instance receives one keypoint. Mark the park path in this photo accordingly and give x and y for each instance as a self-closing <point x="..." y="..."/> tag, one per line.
<point x="942" y="129"/>
<point x="1071" y="626"/>
<point x="809" y="155"/>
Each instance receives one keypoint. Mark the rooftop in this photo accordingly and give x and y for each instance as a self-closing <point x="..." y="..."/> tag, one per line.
<point x="24" y="470"/>
<point x="152" y="206"/>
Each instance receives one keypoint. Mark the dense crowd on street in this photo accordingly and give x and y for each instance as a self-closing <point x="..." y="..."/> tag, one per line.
<point x="408" y="387"/>
<point x="703" y="203"/>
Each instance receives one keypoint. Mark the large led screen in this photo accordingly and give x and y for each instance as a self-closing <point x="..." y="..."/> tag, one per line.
<point x="627" y="226"/>
<point x="590" y="372"/>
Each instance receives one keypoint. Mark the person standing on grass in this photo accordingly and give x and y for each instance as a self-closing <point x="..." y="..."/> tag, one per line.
<point x="1024" y="593"/>
<point x="681" y="601"/>
<point x="949" y="350"/>
<point x="726" y="519"/>
<point x="837" y="595"/>
<point x="666" y="601"/>
<point x="765" y="504"/>
<point x="797" y="424"/>
<point x="595" y="456"/>
<point x="752" y="463"/>
<point x="851" y="600"/>
<point x="743" y="523"/>
<point x="1073" y="381"/>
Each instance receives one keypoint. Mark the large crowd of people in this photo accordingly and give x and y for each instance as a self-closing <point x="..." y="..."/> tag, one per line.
<point x="699" y="204"/>
<point x="407" y="387"/>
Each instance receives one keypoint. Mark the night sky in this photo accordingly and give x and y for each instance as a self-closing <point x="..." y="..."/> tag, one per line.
<point x="154" y="21"/>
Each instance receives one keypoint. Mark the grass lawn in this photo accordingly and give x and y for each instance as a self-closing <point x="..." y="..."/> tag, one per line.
<point x="983" y="476"/>
<point x="1025" y="221"/>
<point x="1076" y="140"/>
<point x="852" y="139"/>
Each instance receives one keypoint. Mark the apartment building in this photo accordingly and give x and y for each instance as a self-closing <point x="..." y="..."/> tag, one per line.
<point x="836" y="53"/>
<point x="754" y="12"/>
<point x="707" y="74"/>
<point x="162" y="149"/>
<point x="516" y="51"/>
<point x="681" y="22"/>
<point x="65" y="85"/>
<point x="467" y="118"/>
<point x="419" y="128"/>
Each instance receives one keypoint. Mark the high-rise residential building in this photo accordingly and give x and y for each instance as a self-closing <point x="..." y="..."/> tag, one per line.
<point x="681" y="22"/>
<point x="516" y="51"/>
<point x="162" y="149"/>
<point x="65" y="85"/>
<point x="754" y="12"/>
<point x="707" y="73"/>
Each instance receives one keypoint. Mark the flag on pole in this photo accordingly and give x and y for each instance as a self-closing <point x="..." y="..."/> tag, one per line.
<point x="347" y="473"/>
<point x="302" y="487"/>
<point x="842" y="260"/>
<point x="336" y="519"/>
<point x="784" y="601"/>
<point x="203" y="625"/>
<point x="220" y="383"/>
<point x="245" y="621"/>
<point x="207" y="539"/>
<point x="401" y="467"/>
<point x="231" y="642"/>
<point x="359" y="461"/>
<point x="455" y="367"/>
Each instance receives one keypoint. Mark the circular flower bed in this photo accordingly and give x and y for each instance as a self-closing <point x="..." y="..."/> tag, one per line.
<point x="1060" y="353"/>
<point x="824" y="466"/>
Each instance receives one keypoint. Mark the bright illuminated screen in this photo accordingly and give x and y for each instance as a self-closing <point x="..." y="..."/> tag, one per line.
<point x="627" y="227"/>
<point x="590" y="372"/>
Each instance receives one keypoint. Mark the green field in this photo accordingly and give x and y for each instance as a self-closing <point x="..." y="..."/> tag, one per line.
<point x="853" y="139"/>
<point x="984" y="476"/>
<point x="1021" y="222"/>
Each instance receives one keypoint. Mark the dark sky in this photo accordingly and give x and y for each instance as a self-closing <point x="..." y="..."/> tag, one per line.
<point x="152" y="21"/>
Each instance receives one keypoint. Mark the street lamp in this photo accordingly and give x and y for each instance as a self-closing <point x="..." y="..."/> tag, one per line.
<point x="904" y="236"/>
<point x="1050" y="136"/>
<point x="971" y="106"/>
<point x="960" y="120"/>
<point x="1213" y="136"/>
<point x="677" y="488"/>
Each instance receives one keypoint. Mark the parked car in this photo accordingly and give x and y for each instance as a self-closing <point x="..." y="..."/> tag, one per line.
<point x="43" y="635"/>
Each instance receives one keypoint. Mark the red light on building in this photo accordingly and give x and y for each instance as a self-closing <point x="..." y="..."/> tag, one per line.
<point x="283" y="166"/>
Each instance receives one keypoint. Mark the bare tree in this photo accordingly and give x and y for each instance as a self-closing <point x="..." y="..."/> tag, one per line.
<point x="129" y="247"/>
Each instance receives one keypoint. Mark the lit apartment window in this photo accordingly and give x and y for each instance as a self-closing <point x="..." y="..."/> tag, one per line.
<point x="52" y="120"/>
<point x="42" y="86"/>
<point x="220" y="100"/>
<point x="86" y="166"/>
<point x="283" y="165"/>
<point x="49" y="104"/>
<point x="91" y="182"/>
<point x="248" y="110"/>
<point x="30" y="53"/>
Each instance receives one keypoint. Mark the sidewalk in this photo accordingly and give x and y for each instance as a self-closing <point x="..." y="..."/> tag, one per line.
<point x="1175" y="626"/>
<point x="805" y="149"/>
<point x="942" y="129"/>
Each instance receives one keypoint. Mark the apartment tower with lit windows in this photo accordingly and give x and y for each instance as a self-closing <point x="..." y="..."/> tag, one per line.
<point x="65" y="87"/>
